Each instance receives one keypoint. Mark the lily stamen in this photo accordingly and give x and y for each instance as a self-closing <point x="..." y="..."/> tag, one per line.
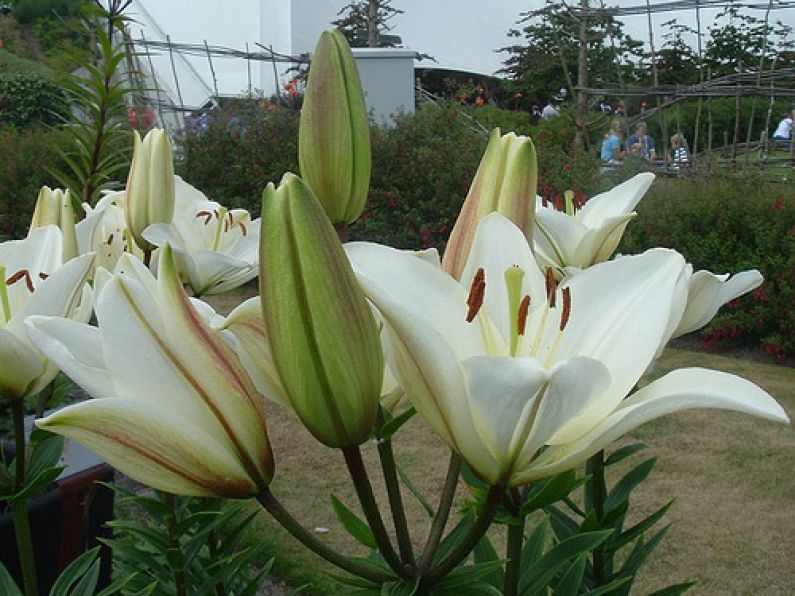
<point x="552" y="286"/>
<point x="524" y="308"/>
<point x="206" y="215"/>
<point x="564" y="316"/>
<point x="243" y="228"/>
<point x="110" y="239"/>
<point x="476" y="294"/>
<point x="22" y="273"/>
<point x="43" y="275"/>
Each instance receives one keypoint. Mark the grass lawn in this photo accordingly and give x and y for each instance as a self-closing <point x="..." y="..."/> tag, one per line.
<point x="733" y="520"/>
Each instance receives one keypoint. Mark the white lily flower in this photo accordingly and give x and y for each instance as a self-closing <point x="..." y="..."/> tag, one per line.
<point x="172" y="407"/>
<point x="33" y="281"/>
<point x="584" y="237"/>
<point x="104" y="231"/>
<point x="535" y="383"/>
<point x="217" y="249"/>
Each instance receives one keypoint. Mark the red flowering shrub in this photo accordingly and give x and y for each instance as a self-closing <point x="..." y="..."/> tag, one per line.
<point x="726" y="226"/>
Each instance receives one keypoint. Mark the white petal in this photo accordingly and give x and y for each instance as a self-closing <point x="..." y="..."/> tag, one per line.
<point x="75" y="348"/>
<point x="682" y="389"/>
<point x="151" y="444"/>
<point x="498" y="245"/>
<point x="502" y="396"/>
<point x="708" y="292"/>
<point x="619" y="200"/>
<point x="619" y="315"/>
<point x="21" y="365"/>
<point x="556" y="237"/>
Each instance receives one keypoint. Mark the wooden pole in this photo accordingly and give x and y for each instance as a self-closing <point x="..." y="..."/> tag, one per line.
<point x="758" y="83"/>
<point x="174" y="71"/>
<point x="373" y="35"/>
<point x="697" y="131"/>
<point x="656" y="81"/>
<point x="737" y="108"/>
<point x="582" y="82"/>
<point x="248" y="68"/>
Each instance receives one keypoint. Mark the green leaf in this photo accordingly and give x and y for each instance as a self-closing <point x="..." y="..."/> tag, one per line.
<point x="455" y="537"/>
<point x="621" y="491"/>
<point x="674" y="590"/>
<point x="400" y="588"/>
<point x="467" y="575"/>
<point x="609" y="587"/>
<point x="38" y="485"/>
<point x="76" y="570"/>
<point x="484" y="553"/>
<point x="550" y="491"/>
<point x="471" y="590"/>
<point x="7" y="584"/>
<point x="643" y="525"/>
<point x="563" y="525"/>
<point x="415" y="491"/>
<point x="534" y="545"/>
<point x="623" y="453"/>
<point x="393" y="424"/>
<point x="539" y="575"/>
<point x="353" y="524"/>
<point x="45" y="451"/>
<point x="572" y="578"/>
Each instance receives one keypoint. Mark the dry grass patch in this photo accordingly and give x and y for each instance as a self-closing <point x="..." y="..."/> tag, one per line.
<point x="733" y="520"/>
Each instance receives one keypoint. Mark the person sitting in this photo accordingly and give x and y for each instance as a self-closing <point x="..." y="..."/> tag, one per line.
<point x="611" y="152"/>
<point x="641" y="143"/>
<point x="550" y="111"/>
<point x="680" y="155"/>
<point x="783" y="131"/>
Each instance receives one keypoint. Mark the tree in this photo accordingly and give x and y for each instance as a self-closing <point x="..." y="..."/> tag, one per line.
<point x="546" y="55"/>
<point x="364" y="23"/>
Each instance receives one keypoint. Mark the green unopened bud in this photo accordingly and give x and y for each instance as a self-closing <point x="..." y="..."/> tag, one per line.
<point x="54" y="208"/>
<point x="505" y="182"/>
<point x="322" y="335"/>
<point x="150" y="185"/>
<point x="334" y="135"/>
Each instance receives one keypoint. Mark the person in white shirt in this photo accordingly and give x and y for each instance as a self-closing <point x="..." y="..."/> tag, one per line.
<point x="784" y="129"/>
<point x="550" y="111"/>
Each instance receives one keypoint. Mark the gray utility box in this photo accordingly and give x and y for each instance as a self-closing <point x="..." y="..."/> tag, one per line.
<point x="387" y="76"/>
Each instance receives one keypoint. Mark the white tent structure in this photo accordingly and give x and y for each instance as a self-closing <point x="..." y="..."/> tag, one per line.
<point x="459" y="34"/>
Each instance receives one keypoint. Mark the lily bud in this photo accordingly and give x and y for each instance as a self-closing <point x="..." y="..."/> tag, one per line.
<point x="323" y="337"/>
<point x="150" y="185"/>
<point x="505" y="182"/>
<point x="334" y="135"/>
<point x="54" y="208"/>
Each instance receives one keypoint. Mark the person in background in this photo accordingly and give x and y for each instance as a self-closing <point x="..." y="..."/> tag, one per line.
<point x="550" y="111"/>
<point x="641" y="143"/>
<point x="611" y="152"/>
<point x="680" y="154"/>
<point x="783" y="131"/>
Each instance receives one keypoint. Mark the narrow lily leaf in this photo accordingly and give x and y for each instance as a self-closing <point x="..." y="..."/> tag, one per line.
<point x="484" y="553"/>
<point x="45" y="452"/>
<point x="77" y="569"/>
<point x="674" y="590"/>
<point x="542" y="572"/>
<point x="400" y="588"/>
<point x="609" y="587"/>
<point x="7" y="585"/>
<point x="550" y="491"/>
<point x="415" y="491"/>
<point x="464" y="576"/>
<point x="455" y="537"/>
<point x="627" y="484"/>
<point x="353" y="524"/>
<point x="631" y="533"/>
<point x="534" y="546"/>
<point x="572" y="578"/>
<point x="623" y="453"/>
<point x="394" y="424"/>
<point x="561" y="523"/>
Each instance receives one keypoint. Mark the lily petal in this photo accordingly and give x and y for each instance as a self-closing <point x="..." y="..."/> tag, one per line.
<point x="619" y="200"/>
<point x="21" y="366"/>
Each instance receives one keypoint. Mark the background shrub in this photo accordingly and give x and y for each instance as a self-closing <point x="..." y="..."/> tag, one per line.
<point x="28" y="157"/>
<point x="29" y="99"/>
<point x="727" y="225"/>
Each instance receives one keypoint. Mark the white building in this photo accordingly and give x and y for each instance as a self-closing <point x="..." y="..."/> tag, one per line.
<point x="459" y="35"/>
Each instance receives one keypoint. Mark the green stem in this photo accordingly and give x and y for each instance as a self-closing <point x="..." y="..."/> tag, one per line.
<point x="442" y="514"/>
<point x="289" y="523"/>
<point x="171" y="526"/>
<point x="147" y="258"/>
<point x="364" y="490"/>
<point x="43" y="398"/>
<point x="460" y="552"/>
<point x="19" y="507"/>
<point x="395" y="499"/>
<point x="601" y="563"/>
<point x="514" y="553"/>
<point x="212" y="546"/>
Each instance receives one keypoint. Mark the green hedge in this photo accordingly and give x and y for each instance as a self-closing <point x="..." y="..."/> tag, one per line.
<point x="30" y="99"/>
<point x="28" y="157"/>
<point x="728" y="225"/>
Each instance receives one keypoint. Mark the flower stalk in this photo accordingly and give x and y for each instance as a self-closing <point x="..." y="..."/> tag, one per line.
<point x="442" y="513"/>
<point x="513" y="567"/>
<point x="19" y="507"/>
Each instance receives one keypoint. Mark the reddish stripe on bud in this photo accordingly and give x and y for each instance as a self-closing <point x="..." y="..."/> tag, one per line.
<point x="476" y="294"/>
<point x="524" y="308"/>
<point x="552" y="286"/>
<point x="564" y="316"/>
